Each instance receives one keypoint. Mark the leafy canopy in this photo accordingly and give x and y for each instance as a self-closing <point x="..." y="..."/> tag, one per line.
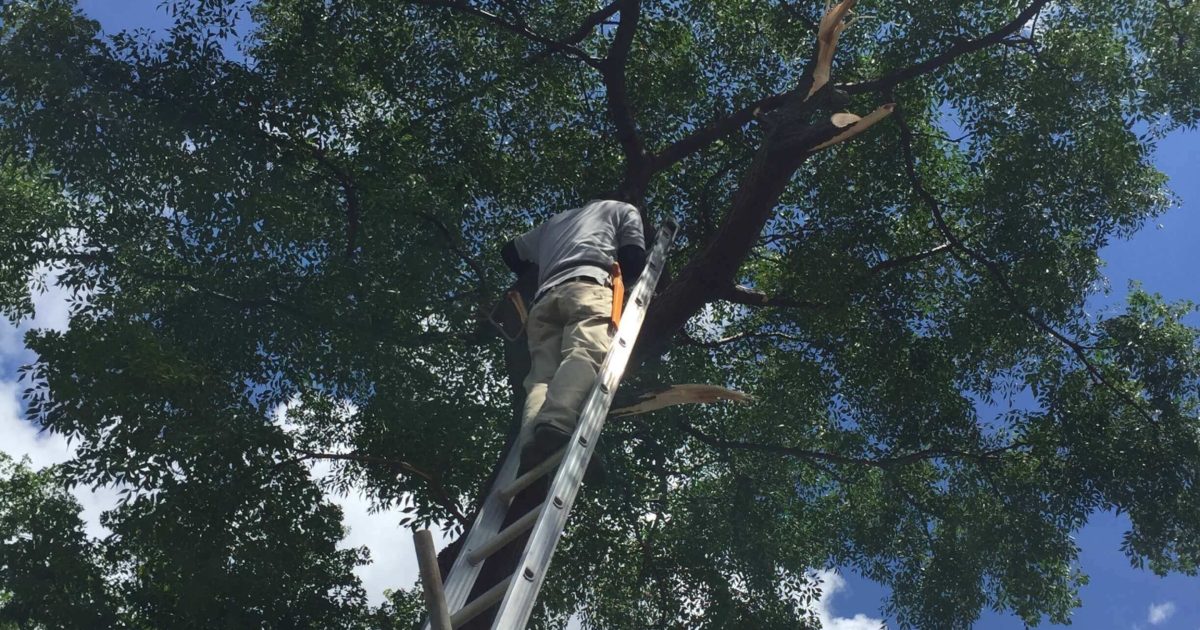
<point x="279" y="222"/>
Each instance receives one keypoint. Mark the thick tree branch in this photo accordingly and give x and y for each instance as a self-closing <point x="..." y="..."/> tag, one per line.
<point x="791" y="137"/>
<point x="993" y="269"/>
<point x="620" y="109"/>
<point x="889" y="81"/>
<point x="714" y="131"/>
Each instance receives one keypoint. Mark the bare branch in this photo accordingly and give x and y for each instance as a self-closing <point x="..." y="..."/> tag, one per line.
<point x="739" y="294"/>
<point x="831" y="27"/>
<point x="821" y="456"/>
<point x="440" y="494"/>
<point x="518" y="29"/>
<point x="889" y="81"/>
<point x="858" y="126"/>
<point x="893" y="263"/>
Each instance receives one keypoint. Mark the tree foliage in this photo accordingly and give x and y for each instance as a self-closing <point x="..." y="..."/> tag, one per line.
<point x="279" y="222"/>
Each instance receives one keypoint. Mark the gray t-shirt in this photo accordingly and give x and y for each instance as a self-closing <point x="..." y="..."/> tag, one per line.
<point x="580" y="242"/>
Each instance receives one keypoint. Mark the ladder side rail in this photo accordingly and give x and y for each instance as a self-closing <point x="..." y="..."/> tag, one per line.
<point x="519" y="601"/>
<point x="487" y="524"/>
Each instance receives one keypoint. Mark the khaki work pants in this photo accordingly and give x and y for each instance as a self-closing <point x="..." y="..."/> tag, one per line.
<point x="568" y="332"/>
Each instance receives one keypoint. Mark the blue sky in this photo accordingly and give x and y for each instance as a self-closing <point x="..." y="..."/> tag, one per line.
<point x="1163" y="256"/>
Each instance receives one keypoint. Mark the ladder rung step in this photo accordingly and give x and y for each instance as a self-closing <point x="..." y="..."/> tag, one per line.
<point x="535" y="473"/>
<point x="472" y="608"/>
<point x="497" y="542"/>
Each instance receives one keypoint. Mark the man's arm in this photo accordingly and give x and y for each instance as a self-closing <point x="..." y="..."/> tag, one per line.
<point x="631" y="245"/>
<point x="521" y="252"/>
<point x="513" y="259"/>
<point x="632" y="259"/>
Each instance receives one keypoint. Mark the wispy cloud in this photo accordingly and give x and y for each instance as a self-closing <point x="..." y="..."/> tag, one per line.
<point x="1160" y="612"/>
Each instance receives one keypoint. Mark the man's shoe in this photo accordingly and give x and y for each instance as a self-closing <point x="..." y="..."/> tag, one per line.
<point x="547" y="439"/>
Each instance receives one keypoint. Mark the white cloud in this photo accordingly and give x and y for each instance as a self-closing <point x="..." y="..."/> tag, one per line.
<point x="832" y="584"/>
<point x="52" y="308"/>
<point x="393" y="556"/>
<point x="20" y="438"/>
<point x="1159" y="613"/>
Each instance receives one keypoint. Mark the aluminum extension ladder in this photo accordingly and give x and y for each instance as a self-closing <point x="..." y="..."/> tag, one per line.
<point x="517" y="593"/>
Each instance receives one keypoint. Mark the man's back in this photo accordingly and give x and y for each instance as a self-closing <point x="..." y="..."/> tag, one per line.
<point x="581" y="242"/>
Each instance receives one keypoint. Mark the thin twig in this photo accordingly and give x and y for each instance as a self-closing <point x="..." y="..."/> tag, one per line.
<point x="997" y="273"/>
<point x="440" y="495"/>
<point x="739" y="294"/>
<point x="882" y="463"/>
<point x="518" y="29"/>
<point x="889" y="81"/>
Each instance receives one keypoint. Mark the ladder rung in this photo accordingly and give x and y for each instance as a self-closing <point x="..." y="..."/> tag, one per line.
<point x="535" y="473"/>
<point x="523" y="524"/>
<point x="472" y="608"/>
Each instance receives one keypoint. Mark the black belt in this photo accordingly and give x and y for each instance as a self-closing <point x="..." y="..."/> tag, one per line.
<point x="581" y="279"/>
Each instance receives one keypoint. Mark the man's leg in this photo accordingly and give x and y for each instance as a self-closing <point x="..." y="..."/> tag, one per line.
<point x="584" y="342"/>
<point x="544" y="336"/>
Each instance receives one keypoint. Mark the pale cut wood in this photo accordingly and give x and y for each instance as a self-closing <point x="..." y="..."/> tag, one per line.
<point x="857" y="128"/>
<point x="831" y="27"/>
<point x="844" y="119"/>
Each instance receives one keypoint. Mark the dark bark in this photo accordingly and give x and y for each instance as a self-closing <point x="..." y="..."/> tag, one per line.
<point x="710" y="274"/>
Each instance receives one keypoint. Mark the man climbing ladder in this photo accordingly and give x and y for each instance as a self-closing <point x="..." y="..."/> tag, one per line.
<point x="614" y="229"/>
<point x="575" y="311"/>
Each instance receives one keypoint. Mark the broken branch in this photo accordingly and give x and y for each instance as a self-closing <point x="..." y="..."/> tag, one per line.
<point x="832" y="25"/>
<point x="854" y="127"/>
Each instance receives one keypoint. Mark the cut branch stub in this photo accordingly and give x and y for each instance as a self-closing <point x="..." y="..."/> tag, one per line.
<point x="832" y="25"/>
<point x="844" y="119"/>
<point x="855" y="126"/>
